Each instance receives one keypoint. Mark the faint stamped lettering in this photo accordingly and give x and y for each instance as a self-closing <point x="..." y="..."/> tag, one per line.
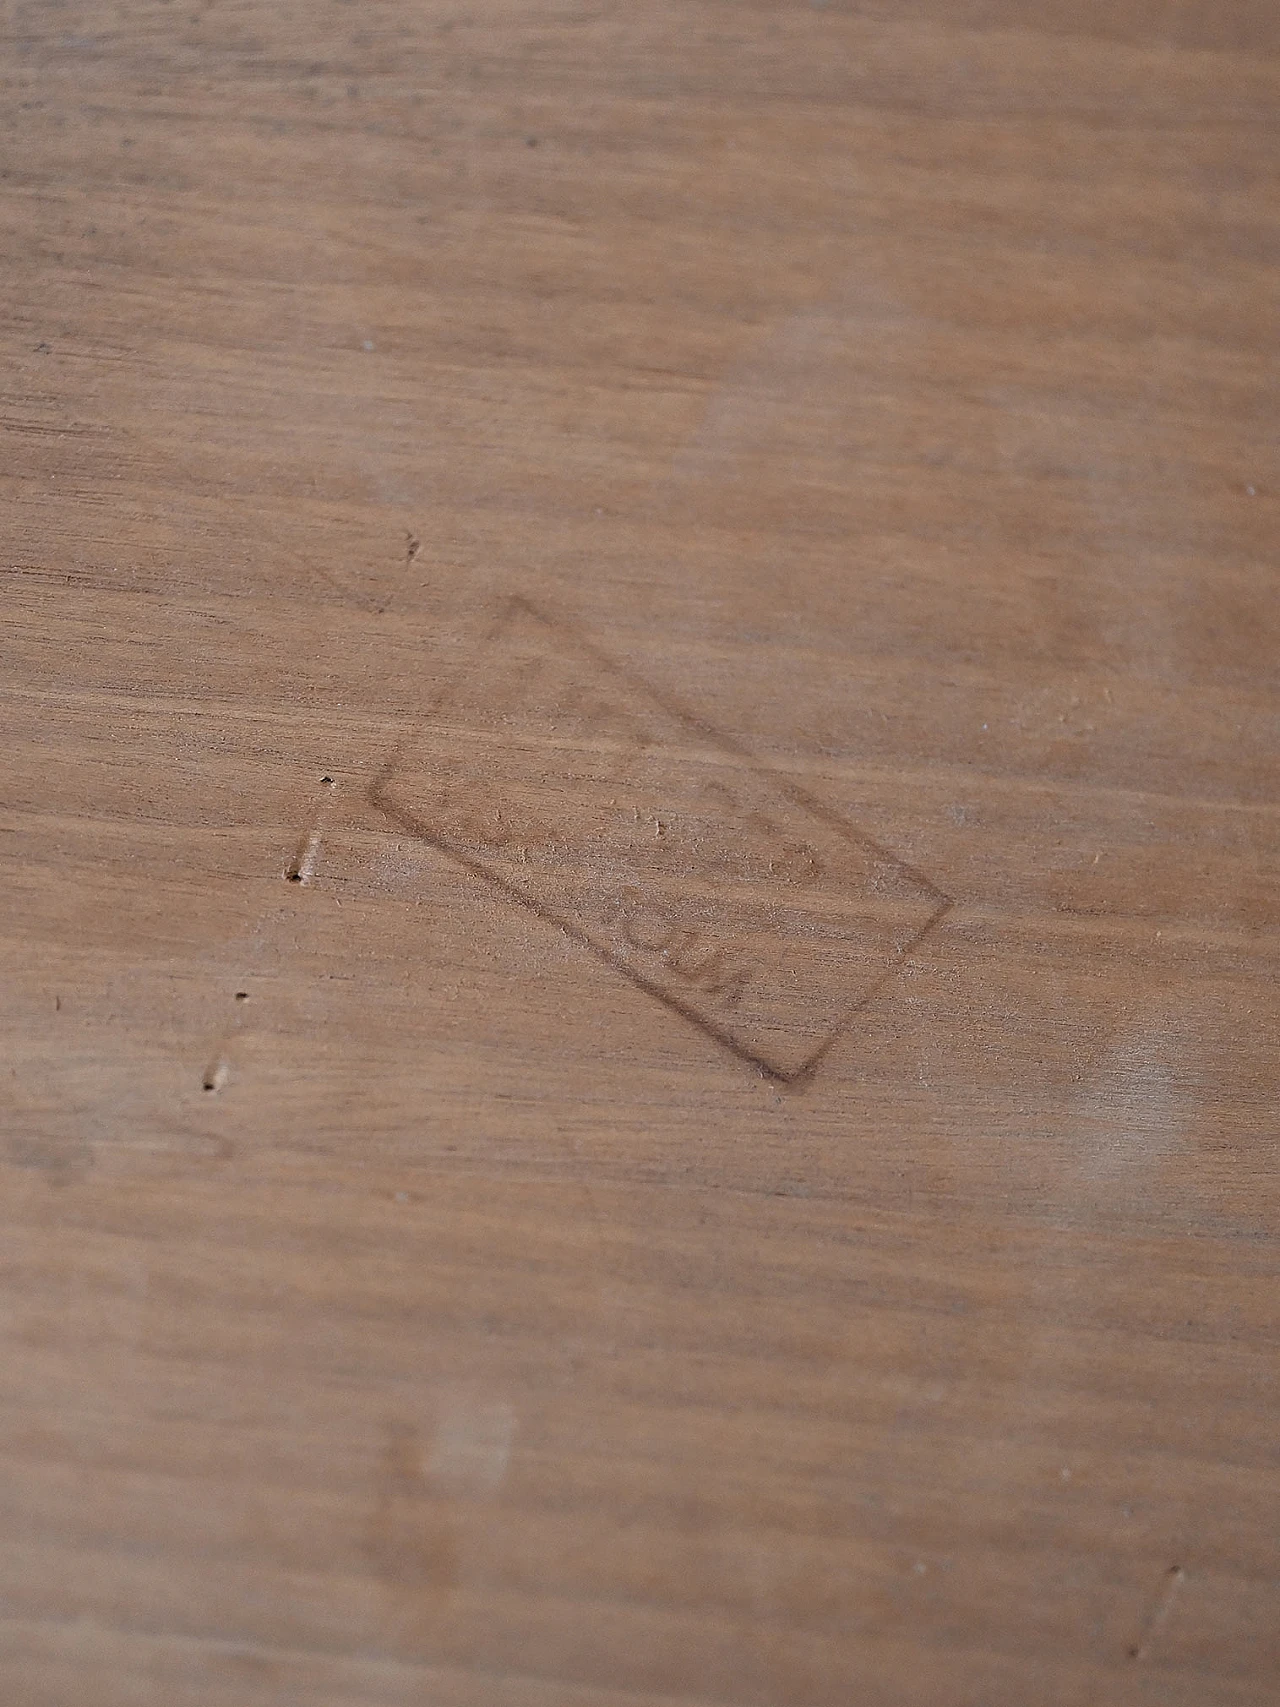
<point x="716" y="886"/>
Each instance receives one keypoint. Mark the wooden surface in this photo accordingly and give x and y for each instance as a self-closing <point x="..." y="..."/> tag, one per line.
<point x="641" y="854"/>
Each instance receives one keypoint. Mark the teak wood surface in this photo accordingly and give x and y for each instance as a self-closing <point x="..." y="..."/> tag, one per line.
<point x="640" y="854"/>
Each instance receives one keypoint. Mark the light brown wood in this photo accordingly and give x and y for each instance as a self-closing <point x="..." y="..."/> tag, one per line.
<point x="640" y="854"/>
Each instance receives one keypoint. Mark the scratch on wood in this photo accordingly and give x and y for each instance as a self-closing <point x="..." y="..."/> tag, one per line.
<point x="304" y="864"/>
<point x="412" y="546"/>
<point x="1175" y="1576"/>
<point x="409" y="1540"/>
<point x="217" y="1074"/>
<point x="302" y="868"/>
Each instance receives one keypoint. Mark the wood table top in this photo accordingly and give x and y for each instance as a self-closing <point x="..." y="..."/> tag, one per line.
<point x="640" y="852"/>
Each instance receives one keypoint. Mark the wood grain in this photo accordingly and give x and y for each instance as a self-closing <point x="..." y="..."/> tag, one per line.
<point x="720" y="1150"/>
